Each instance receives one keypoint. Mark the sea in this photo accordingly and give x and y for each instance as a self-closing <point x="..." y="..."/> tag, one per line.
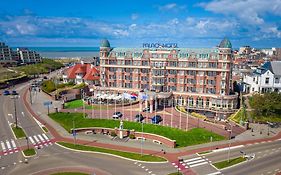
<point x="66" y="52"/>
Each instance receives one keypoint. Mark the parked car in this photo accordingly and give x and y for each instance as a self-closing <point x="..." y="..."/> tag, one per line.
<point x="14" y="92"/>
<point x="117" y="115"/>
<point x="156" y="119"/>
<point x="139" y="118"/>
<point x="6" y="92"/>
<point x="146" y="109"/>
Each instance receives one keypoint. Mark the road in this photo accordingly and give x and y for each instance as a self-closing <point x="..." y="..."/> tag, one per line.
<point x="51" y="156"/>
<point x="267" y="160"/>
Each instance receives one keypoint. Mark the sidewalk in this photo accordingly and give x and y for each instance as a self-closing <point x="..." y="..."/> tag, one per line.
<point x="38" y="111"/>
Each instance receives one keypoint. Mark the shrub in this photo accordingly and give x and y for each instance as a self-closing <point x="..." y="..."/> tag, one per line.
<point x="132" y="136"/>
<point x="113" y="134"/>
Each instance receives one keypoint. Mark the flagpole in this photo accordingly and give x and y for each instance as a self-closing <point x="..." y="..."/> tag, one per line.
<point x="172" y="112"/>
<point x="164" y="113"/>
<point x="107" y="108"/>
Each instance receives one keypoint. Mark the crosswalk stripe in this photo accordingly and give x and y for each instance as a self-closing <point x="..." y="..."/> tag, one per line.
<point x="194" y="162"/>
<point x="41" y="138"/>
<point x="198" y="164"/>
<point x="36" y="139"/>
<point x="31" y="139"/>
<point x="3" y="146"/>
<point x="44" y="135"/>
<point x="188" y="160"/>
<point x="13" y="144"/>
<point x="8" y="145"/>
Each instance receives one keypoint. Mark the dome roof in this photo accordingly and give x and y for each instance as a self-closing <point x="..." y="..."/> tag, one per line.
<point x="104" y="43"/>
<point x="225" y="43"/>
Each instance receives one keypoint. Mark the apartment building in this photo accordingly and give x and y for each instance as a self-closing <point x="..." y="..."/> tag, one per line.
<point x="27" y="56"/>
<point x="7" y="55"/>
<point x="198" y="79"/>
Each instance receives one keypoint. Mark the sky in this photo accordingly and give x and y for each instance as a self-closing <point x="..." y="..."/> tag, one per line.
<point x="130" y="23"/>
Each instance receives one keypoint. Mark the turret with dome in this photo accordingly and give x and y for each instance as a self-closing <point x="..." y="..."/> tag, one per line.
<point x="104" y="43"/>
<point x="225" y="43"/>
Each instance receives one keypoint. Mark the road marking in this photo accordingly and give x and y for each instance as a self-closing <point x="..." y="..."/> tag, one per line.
<point x="31" y="139"/>
<point x="192" y="159"/>
<point x="194" y="162"/>
<point x="277" y="170"/>
<point x="143" y="167"/>
<point x="3" y="146"/>
<point x="215" y="173"/>
<point x="36" y="139"/>
<point x="198" y="164"/>
<point x="44" y="135"/>
<point x="225" y="149"/>
<point x="259" y="152"/>
<point x="41" y="138"/>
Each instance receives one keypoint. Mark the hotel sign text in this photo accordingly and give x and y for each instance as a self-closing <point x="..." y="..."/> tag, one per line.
<point x="160" y="45"/>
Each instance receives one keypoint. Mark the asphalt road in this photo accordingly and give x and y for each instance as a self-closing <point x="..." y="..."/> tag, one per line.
<point x="267" y="159"/>
<point x="53" y="156"/>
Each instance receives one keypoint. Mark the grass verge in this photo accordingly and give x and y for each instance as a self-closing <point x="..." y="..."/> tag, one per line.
<point x="18" y="131"/>
<point x="29" y="152"/>
<point x="135" y="156"/>
<point x="205" y="152"/>
<point x="45" y="129"/>
<point x="79" y="103"/>
<point x="176" y="173"/>
<point x="225" y="163"/>
<point x="183" y="138"/>
<point x="69" y="173"/>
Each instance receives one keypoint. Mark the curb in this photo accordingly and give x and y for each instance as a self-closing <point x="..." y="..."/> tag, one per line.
<point x="232" y="165"/>
<point x="133" y="160"/>
<point x="29" y="156"/>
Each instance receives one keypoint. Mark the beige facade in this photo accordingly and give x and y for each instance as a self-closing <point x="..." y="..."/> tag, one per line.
<point x="198" y="79"/>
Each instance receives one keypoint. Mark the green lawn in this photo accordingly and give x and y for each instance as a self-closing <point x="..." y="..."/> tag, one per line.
<point x="69" y="173"/>
<point x="240" y="115"/>
<point x="176" y="173"/>
<point x="19" y="133"/>
<point x="183" y="138"/>
<point x="135" y="156"/>
<point x="79" y="103"/>
<point x="225" y="163"/>
<point x="29" y="152"/>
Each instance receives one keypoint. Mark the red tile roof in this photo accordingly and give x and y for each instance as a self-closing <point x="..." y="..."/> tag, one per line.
<point x="89" y="73"/>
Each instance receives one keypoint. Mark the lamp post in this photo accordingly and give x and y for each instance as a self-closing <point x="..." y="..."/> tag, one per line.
<point x="27" y="142"/>
<point x="30" y="95"/>
<point x="92" y="102"/>
<point x="82" y="97"/>
<point x="73" y="131"/>
<point x="15" y="108"/>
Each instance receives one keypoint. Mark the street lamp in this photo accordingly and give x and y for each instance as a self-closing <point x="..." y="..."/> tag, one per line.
<point x="92" y="101"/>
<point x="15" y="108"/>
<point x="82" y="97"/>
<point x="27" y="142"/>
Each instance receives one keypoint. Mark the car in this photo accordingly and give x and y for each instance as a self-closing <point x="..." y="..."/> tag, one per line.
<point x="139" y="118"/>
<point x="156" y="119"/>
<point x="45" y="77"/>
<point x="146" y="109"/>
<point x="6" y="92"/>
<point x="117" y="115"/>
<point x="14" y="92"/>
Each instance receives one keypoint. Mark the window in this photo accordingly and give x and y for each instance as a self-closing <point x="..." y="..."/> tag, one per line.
<point x="266" y="80"/>
<point x="276" y="80"/>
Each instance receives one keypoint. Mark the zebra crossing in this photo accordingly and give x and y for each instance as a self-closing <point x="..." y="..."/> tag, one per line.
<point x="9" y="147"/>
<point x="40" y="140"/>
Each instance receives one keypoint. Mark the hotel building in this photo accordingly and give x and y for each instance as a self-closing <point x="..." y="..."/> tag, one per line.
<point x="198" y="79"/>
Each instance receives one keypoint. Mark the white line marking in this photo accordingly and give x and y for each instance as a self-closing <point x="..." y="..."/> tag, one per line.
<point x="194" y="162"/>
<point x="215" y="173"/>
<point x="198" y="164"/>
<point x="31" y="139"/>
<point x="36" y="139"/>
<point x="3" y="146"/>
<point x="44" y="135"/>
<point x="225" y="149"/>
<point x="41" y="138"/>
<point x="192" y="159"/>
<point x="13" y="144"/>
<point x="8" y="145"/>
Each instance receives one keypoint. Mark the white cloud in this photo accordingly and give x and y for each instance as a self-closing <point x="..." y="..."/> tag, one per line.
<point x="249" y="11"/>
<point x="172" y="7"/>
